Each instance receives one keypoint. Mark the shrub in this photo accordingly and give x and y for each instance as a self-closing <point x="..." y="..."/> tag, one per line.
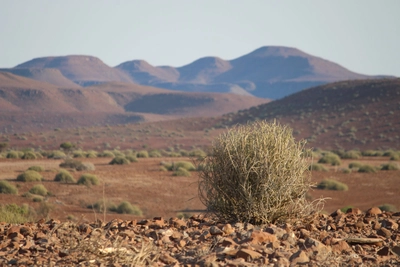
<point x="7" y="188"/>
<point x="29" y="155"/>
<point x="256" y="174"/>
<point x="346" y="170"/>
<point x="37" y="199"/>
<point x="155" y="154"/>
<point x="56" y="155"/>
<point x="86" y="166"/>
<point x="352" y="154"/>
<point x="388" y="207"/>
<point x="64" y="177"/>
<point x="163" y="169"/>
<point x="372" y="153"/>
<point x="107" y="154"/>
<point x="395" y="157"/>
<point x="142" y="154"/>
<point x="78" y="154"/>
<point x="330" y="158"/>
<point x="344" y="209"/>
<point x="119" y="161"/>
<point x="99" y="206"/>
<point x="12" y="213"/>
<point x="67" y="146"/>
<point x="36" y="168"/>
<point x="91" y="154"/>
<point x="127" y="208"/>
<point x="71" y="164"/>
<point x="181" y="172"/>
<point x="88" y="179"/>
<point x="38" y="189"/>
<point x="198" y="153"/>
<point x="317" y="167"/>
<point x="12" y="155"/>
<point x="367" y="169"/>
<point x="355" y="165"/>
<point x="29" y="176"/>
<point x="180" y="164"/>
<point x="389" y="167"/>
<point x="330" y="184"/>
<point x="131" y="158"/>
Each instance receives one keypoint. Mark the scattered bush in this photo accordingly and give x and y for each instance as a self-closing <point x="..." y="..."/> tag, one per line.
<point x="155" y="154"/>
<point x="330" y="158"/>
<point x="56" y="155"/>
<point x="86" y="166"/>
<point x="88" y="179"/>
<point x="91" y="154"/>
<point x="12" y="213"/>
<point x="389" y="167"/>
<point x="346" y="170"/>
<point x="78" y="154"/>
<point x="71" y="164"/>
<point x="256" y="174"/>
<point x="37" y="199"/>
<point x="29" y="176"/>
<point x="181" y="172"/>
<point x="198" y="153"/>
<point x="99" y="206"/>
<point x="7" y="188"/>
<point x="64" y="176"/>
<point x="180" y="164"/>
<point x="346" y="208"/>
<point x="395" y="157"/>
<point x="163" y="169"/>
<point x="317" y="167"/>
<point x="119" y="161"/>
<point x="38" y="189"/>
<point x="142" y="154"/>
<point x="330" y="184"/>
<point x="107" y="154"/>
<point x="367" y="169"/>
<point x="29" y="155"/>
<point x="12" y="155"/>
<point x="352" y="154"/>
<point x="355" y="165"/>
<point x="372" y="153"/>
<point x="388" y="207"/>
<point x="127" y="208"/>
<point x="36" y="168"/>
<point x="131" y="158"/>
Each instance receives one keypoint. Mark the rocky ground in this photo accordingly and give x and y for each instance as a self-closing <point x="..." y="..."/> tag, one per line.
<point x="354" y="238"/>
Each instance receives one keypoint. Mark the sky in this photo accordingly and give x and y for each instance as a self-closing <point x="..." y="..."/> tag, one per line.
<point x="361" y="35"/>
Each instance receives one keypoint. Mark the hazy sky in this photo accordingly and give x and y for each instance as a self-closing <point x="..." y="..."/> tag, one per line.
<point x="361" y="35"/>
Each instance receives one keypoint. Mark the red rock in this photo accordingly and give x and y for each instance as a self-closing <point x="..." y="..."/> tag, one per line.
<point x="228" y="242"/>
<point x="248" y="254"/>
<point x="373" y="211"/>
<point x="341" y="247"/>
<point x="354" y="211"/>
<point x="299" y="257"/>
<point x="228" y="229"/>
<point x="390" y="224"/>
<point x="214" y="230"/>
<point x="167" y="259"/>
<point x="258" y="237"/>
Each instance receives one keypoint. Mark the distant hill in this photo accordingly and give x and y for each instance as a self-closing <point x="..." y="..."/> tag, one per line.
<point x="351" y="114"/>
<point x="30" y="100"/>
<point x="270" y="72"/>
<point x="82" y="70"/>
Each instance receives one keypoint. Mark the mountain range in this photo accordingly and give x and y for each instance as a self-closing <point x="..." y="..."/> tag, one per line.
<point x="269" y="72"/>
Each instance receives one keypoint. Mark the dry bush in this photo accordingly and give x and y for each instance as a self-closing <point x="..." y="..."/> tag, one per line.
<point x="181" y="172"/>
<point x="256" y="173"/>
<point x="38" y="189"/>
<point x="330" y="184"/>
<point x="119" y="161"/>
<point x="36" y="168"/>
<point x="390" y="167"/>
<point x="317" y="167"/>
<point x="64" y="176"/>
<point x="88" y="179"/>
<point x="29" y="176"/>
<point x="330" y="158"/>
<point x="7" y="188"/>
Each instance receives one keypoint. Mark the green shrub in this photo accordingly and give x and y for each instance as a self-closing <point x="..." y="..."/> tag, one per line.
<point x="181" y="172"/>
<point x="56" y="155"/>
<point x="330" y="158"/>
<point x="355" y="165"/>
<point x="317" y="167"/>
<point x="29" y="155"/>
<point x="12" y="213"/>
<point x="390" y="153"/>
<point x="389" y="167"/>
<point x="67" y="146"/>
<point x="352" y="154"/>
<point x="180" y="164"/>
<point x="372" y="153"/>
<point x="142" y="154"/>
<point x="367" y="169"/>
<point x="198" y="153"/>
<point x="91" y="154"/>
<point x="118" y="153"/>
<point x="163" y="169"/>
<point x="29" y="176"/>
<point x="256" y="174"/>
<point x="71" y="164"/>
<point x="99" y="206"/>
<point x="388" y="207"/>
<point x="395" y="157"/>
<point x="344" y="209"/>
<point x="38" y="189"/>
<point x="107" y="154"/>
<point x="7" y="188"/>
<point x="12" y="155"/>
<point x="37" y="199"/>
<point x="64" y="176"/>
<point x="86" y="166"/>
<point x="78" y="154"/>
<point x="127" y="208"/>
<point x="88" y="179"/>
<point x="36" y="168"/>
<point x="155" y="154"/>
<point x="346" y="170"/>
<point x="119" y="161"/>
<point x="330" y="184"/>
<point x="131" y="158"/>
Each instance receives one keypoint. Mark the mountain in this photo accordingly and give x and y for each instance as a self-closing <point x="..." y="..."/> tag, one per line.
<point x="82" y="70"/>
<point x="270" y="72"/>
<point x="24" y="101"/>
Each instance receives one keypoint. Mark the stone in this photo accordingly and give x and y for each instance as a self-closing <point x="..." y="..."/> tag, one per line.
<point x="354" y="211"/>
<point x="317" y="249"/>
<point x="299" y="257"/>
<point x="373" y="211"/>
<point x="341" y="247"/>
<point x="390" y="224"/>
<point x="258" y="237"/>
<point x="248" y="254"/>
<point x="228" y="229"/>
<point x="167" y="259"/>
<point x="214" y="230"/>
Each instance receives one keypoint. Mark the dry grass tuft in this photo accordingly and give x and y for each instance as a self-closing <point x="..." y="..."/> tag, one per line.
<point x="256" y="173"/>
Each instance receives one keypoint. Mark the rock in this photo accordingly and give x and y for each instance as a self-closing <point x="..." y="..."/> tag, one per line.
<point x="341" y="247"/>
<point x="248" y="254"/>
<point x="373" y="211"/>
<point x="258" y="237"/>
<point x="214" y="230"/>
<point x="354" y="211"/>
<point x="299" y="257"/>
<point x="228" y="229"/>
<point x="167" y="259"/>
<point x="390" y="224"/>
<point x="316" y="249"/>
